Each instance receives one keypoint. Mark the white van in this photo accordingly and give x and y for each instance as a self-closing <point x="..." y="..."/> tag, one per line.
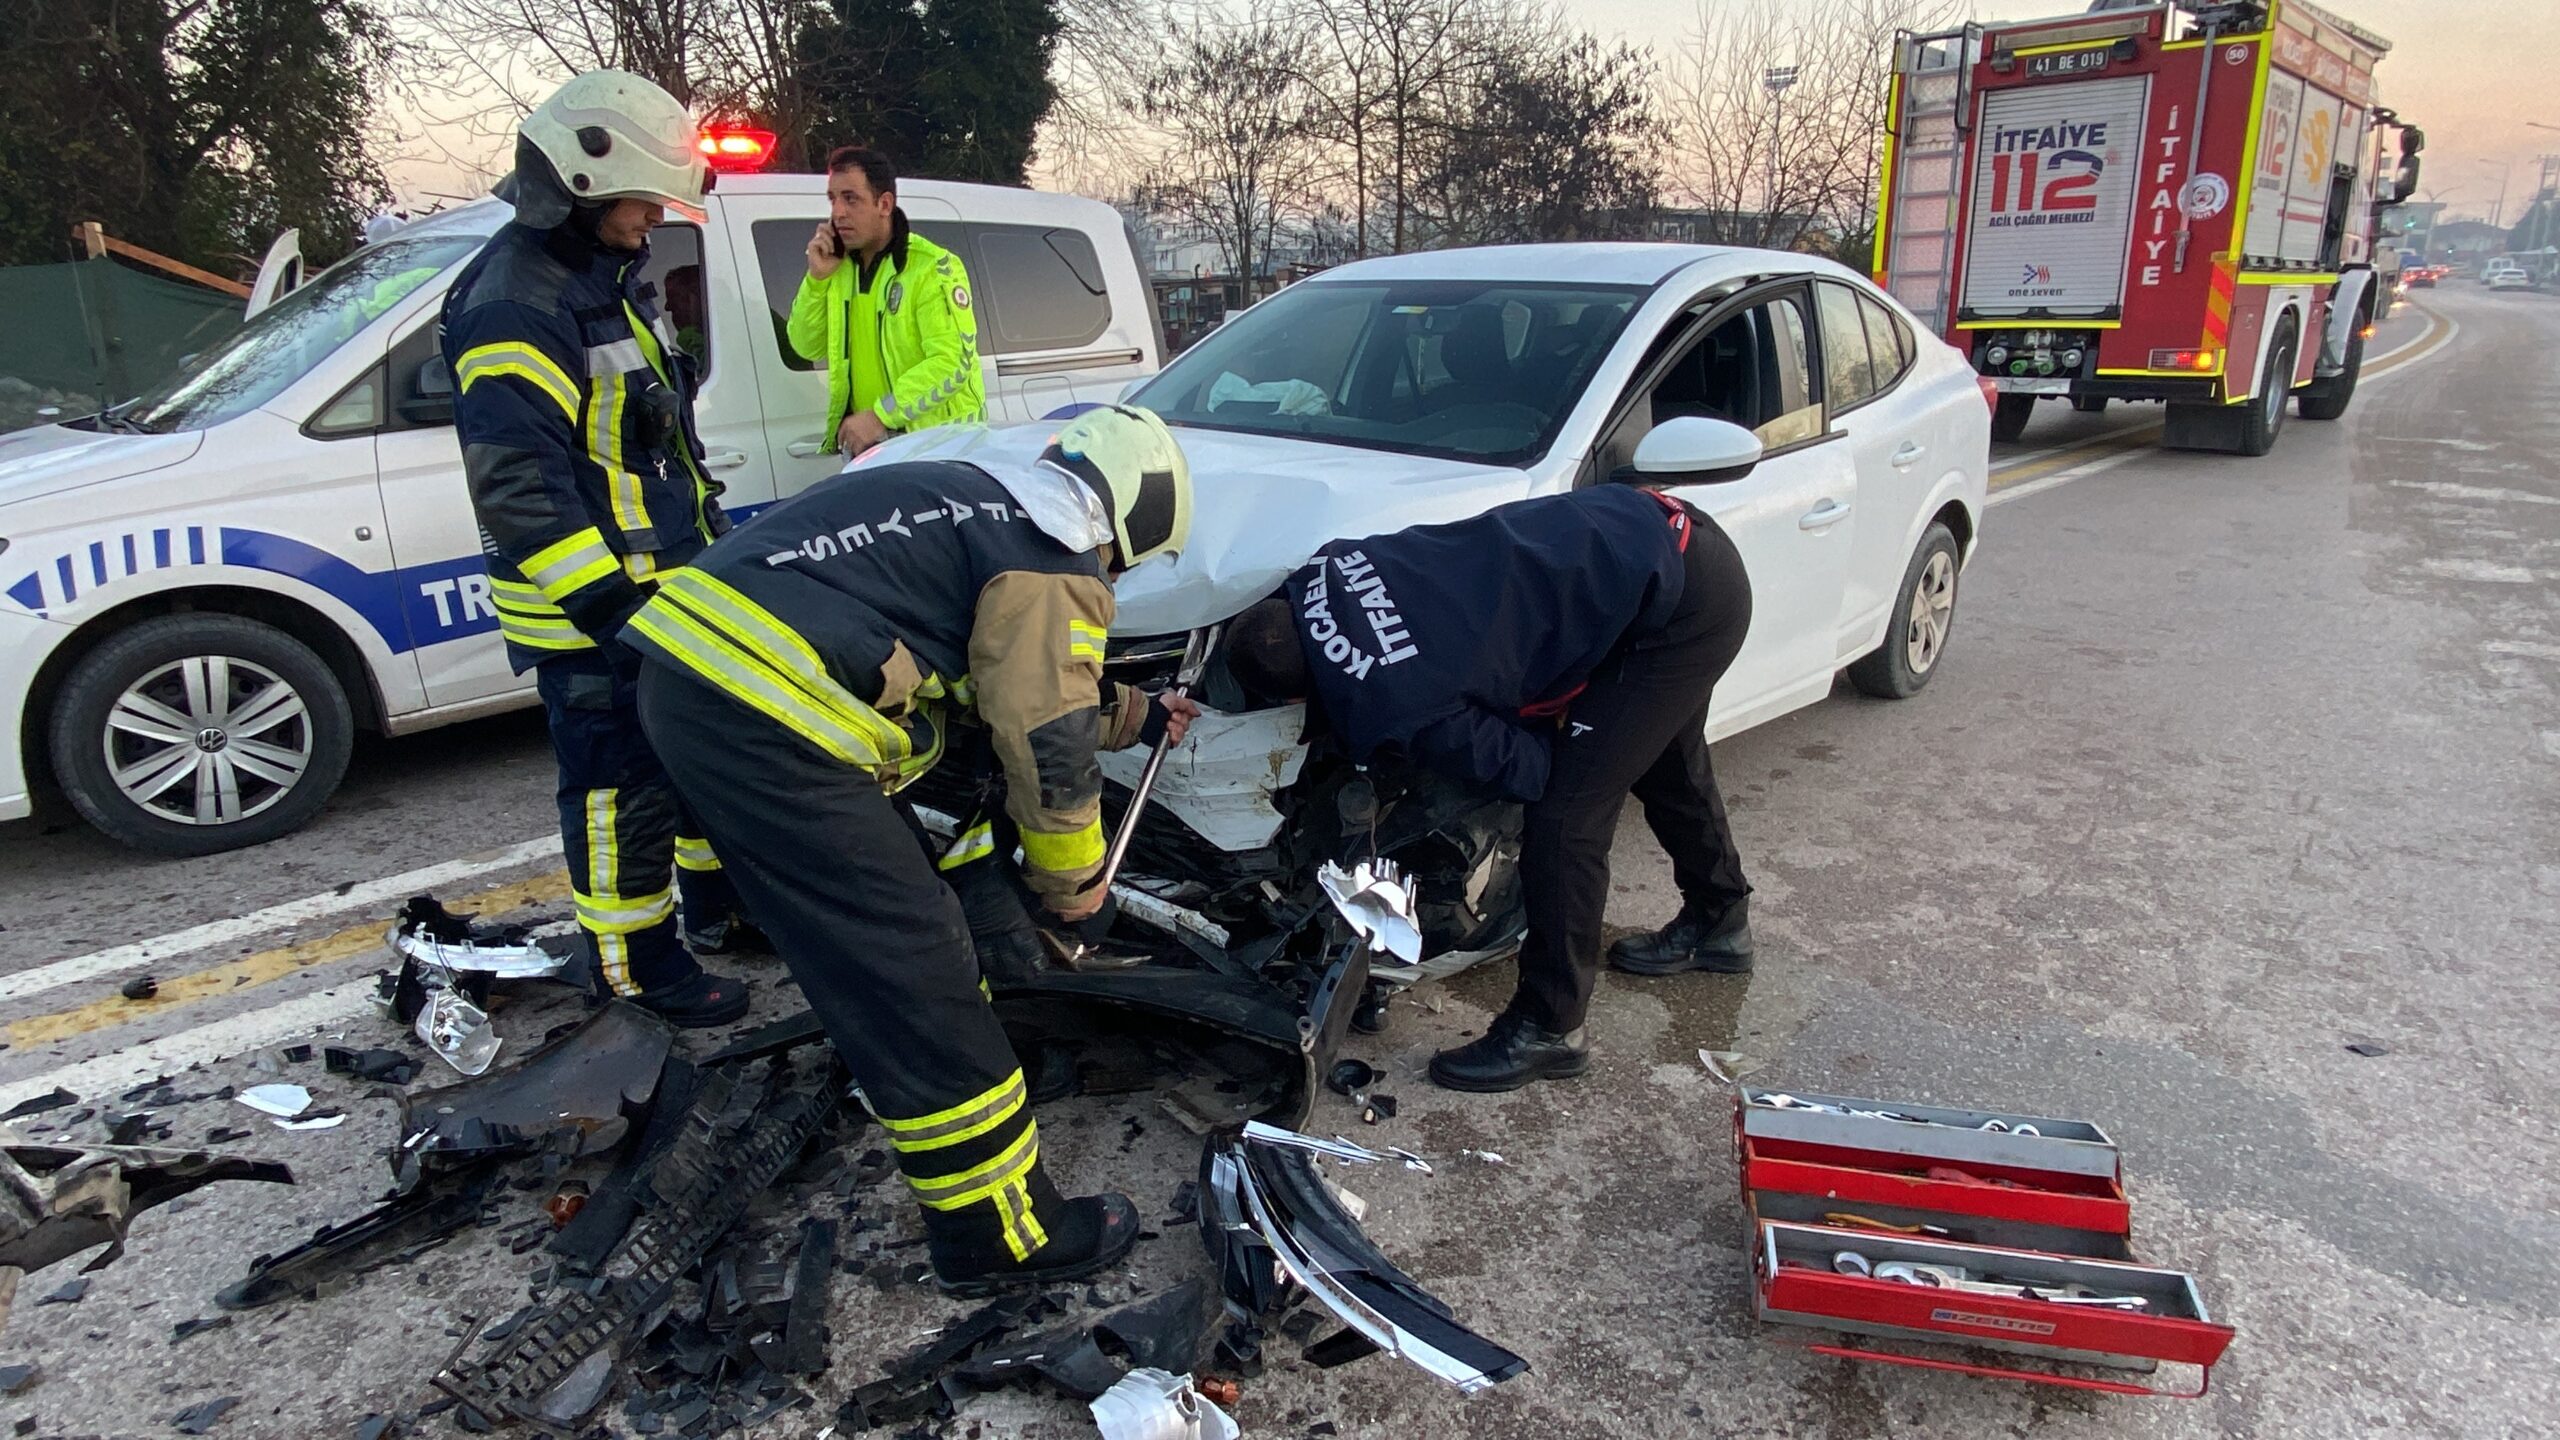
<point x="205" y="593"/>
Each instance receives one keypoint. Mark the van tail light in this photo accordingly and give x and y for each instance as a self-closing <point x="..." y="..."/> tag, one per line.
<point x="1990" y="392"/>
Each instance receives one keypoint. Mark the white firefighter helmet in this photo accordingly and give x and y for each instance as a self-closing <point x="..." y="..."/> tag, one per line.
<point x="1129" y="459"/>
<point x="606" y="135"/>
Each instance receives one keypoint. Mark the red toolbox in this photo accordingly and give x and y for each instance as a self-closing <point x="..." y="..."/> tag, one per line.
<point x="2010" y="1233"/>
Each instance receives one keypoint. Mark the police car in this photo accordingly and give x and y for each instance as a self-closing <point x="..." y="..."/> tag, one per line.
<point x="205" y="593"/>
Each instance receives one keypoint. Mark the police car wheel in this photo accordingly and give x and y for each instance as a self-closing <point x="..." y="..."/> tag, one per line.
<point x="191" y="734"/>
<point x="1923" y="621"/>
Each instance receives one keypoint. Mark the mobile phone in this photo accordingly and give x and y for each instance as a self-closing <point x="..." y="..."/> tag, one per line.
<point x="835" y="238"/>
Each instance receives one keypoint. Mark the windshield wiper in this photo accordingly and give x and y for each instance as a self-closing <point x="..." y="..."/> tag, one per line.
<point x="122" y="424"/>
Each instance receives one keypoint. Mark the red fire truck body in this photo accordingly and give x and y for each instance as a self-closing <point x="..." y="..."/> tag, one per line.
<point x="2171" y="202"/>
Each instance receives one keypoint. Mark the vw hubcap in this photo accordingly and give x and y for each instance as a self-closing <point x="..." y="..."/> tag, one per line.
<point x="1933" y="612"/>
<point x="208" y="740"/>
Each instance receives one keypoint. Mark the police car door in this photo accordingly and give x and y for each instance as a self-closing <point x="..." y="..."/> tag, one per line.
<point x="427" y="499"/>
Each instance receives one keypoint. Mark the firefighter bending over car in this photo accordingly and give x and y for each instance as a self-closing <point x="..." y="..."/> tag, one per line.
<point x="806" y="667"/>
<point x="574" y="406"/>
<point x="1561" y="651"/>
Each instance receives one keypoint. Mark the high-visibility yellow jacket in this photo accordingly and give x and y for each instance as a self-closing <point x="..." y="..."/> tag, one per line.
<point x="906" y="319"/>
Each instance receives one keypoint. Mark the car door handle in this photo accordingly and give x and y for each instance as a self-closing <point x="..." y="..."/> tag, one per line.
<point x="724" y="459"/>
<point x="803" y="449"/>
<point x="1829" y="512"/>
<point x="1909" y="454"/>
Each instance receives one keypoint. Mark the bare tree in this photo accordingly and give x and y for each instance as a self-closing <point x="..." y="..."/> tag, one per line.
<point x="1555" y="138"/>
<point x="1240" y="159"/>
<point x="1796" y="165"/>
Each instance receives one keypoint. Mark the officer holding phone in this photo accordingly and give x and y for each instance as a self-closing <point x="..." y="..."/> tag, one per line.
<point x="887" y="310"/>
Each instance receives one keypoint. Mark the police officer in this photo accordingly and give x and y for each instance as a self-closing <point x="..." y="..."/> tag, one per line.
<point x="887" y="310"/>
<point x="1561" y="651"/>
<point x="575" y="409"/>
<point x="808" y="665"/>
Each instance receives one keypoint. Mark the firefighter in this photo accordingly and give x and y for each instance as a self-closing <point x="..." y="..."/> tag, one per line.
<point x="575" y="411"/>
<point x="809" y="665"/>
<point x="1560" y="651"/>
<point x="887" y="310"/>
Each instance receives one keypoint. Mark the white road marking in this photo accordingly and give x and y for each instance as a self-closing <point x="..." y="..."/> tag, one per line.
<point x="368" y="895"/>
<point x="2403" y="359"/>
<point x="2487" y="572"/>
<point x="110" y="1074"/>
<point x="2082" y="471"/>
<point x="2449" y="490"/>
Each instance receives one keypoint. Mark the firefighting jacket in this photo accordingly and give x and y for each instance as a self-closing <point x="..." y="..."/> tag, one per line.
<point x="911" y="307"/>
<point x="862" y="612"/>
<point x="1455" y="645"/>
<point x="575" y="411"/>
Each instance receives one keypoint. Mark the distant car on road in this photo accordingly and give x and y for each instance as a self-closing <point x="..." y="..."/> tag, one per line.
<point x="2505" y="274"/>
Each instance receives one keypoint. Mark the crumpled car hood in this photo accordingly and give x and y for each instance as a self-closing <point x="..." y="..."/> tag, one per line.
<point x="50" y="459"/>
<point x="1261" y="505"/>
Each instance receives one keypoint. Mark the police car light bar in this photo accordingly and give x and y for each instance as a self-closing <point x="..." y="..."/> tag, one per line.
<point x="736" y="149"/>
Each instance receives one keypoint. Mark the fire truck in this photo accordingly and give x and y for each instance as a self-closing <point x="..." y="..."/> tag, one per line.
<point x="2169" y="202"/>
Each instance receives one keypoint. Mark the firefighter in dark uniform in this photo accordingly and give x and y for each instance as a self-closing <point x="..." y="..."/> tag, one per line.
<point x="1560" y="651"/>
<point x="806" y="667"/>
<point x="575" y="410"/>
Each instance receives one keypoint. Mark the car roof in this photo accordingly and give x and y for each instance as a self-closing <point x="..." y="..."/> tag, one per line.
<point x="485" y="215"/>
<point x="1600" y="263"/>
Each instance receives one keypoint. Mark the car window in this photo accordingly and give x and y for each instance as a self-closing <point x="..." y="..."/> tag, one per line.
<point x="285" y="341"/>
<point x="1040" y="286"/>
<point x="1471" y="370"/>
<point x="1848" y="370"/>
<point x="1889" y="343"/>
<point x="1755" y="370"/>
<point x="675" y="267"/>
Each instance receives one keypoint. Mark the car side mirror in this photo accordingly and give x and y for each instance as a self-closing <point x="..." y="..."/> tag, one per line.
<point x="1695" y="450"/>
<point x="430" y="397"/>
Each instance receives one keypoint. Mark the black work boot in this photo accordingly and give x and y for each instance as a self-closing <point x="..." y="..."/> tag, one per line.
<point x="1690" y="943"/>
<point x="731" y="935"/>
<point x="697" y="1002"/>
<point x="1087" y="1235"/>
<point x="1511" y="1054"/>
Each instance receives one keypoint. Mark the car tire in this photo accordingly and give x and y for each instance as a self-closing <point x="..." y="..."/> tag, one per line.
<point x="1923" y="620"/>
<point x="2327" y="398"/>
<point x="193" y="734"/>
<point x="2009" y="417"/>
<point x="2265" y="420"/>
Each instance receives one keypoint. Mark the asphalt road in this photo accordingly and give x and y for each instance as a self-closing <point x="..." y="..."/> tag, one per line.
<point x="2232" y="763"/>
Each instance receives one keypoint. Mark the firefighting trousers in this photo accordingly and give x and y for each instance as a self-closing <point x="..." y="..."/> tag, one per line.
<point x="1640" y="728"/>
<point x="878" y="944"/>
<point x="630" y="844"/>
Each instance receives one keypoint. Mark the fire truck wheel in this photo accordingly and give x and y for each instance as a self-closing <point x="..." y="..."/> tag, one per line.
<point x="2267" y="408"/>
<point x="2089" y="404"/>
<point x="2009" y="417"/>
<point x="2326" y="398"/>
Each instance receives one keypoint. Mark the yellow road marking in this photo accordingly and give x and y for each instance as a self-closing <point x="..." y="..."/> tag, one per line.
<point x="266" y="967"/>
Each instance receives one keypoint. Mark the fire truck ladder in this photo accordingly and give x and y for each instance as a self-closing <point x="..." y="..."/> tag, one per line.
<point x="1919" y="257"/>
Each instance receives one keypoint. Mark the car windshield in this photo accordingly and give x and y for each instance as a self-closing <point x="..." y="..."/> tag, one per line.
<point x="291" y="336"/>
<point x="1463" y="370"/>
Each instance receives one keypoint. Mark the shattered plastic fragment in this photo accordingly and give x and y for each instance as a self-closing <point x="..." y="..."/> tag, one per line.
<point x="438" y="938"/>
<point x="282" y="1101"/>
<point x="1152" y="1405"/>
<point x="69" y="1292"/>
<point x="316" y="1120"/>
<point x="53" y="1099"/>
<point x="18" y="1379"/>
<point x="1727" y="1066"/>
<point x="1375" y="901"/>
<point x="459" y="1031"/>
<point x="1487" y="1156"/>
<point x="572" y="1399"/>
<point x="198" y="1418"/>
<point x="189" y="1329"/>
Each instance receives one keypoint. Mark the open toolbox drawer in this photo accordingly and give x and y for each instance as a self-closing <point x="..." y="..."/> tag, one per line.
<point x="1823" y="1175"/>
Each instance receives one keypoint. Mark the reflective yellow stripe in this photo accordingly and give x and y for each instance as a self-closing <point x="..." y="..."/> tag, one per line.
<point x="1022" y="1232"/>
<point x="1074" y="850"/>
<point x="979" y="1182"/>
<point x="1085" y="641"/>
<point x="567" y="566"/>
<point x="610" y="914"/>
<point x="692" y="854"/>
<point x="516" y="630"/>
<point x="976" y="842"/>
<point x="522" y="361"/>
<point x="603" y="877"/>
<point x="715" y="659"/>
<point x="604" y="446"/>
<point x="961" y="1122"/>
<point x="742" y="622"/>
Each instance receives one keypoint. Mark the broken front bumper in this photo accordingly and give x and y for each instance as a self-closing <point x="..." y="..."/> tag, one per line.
<point x="1274" y="1229"/>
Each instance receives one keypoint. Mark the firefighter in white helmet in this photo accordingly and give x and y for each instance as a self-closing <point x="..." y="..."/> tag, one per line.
<point x="574" y="405"/>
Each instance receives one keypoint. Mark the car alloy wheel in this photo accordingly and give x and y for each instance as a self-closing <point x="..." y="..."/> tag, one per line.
<point x="1933" y="608"/>
<point x="208" y="740"/>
